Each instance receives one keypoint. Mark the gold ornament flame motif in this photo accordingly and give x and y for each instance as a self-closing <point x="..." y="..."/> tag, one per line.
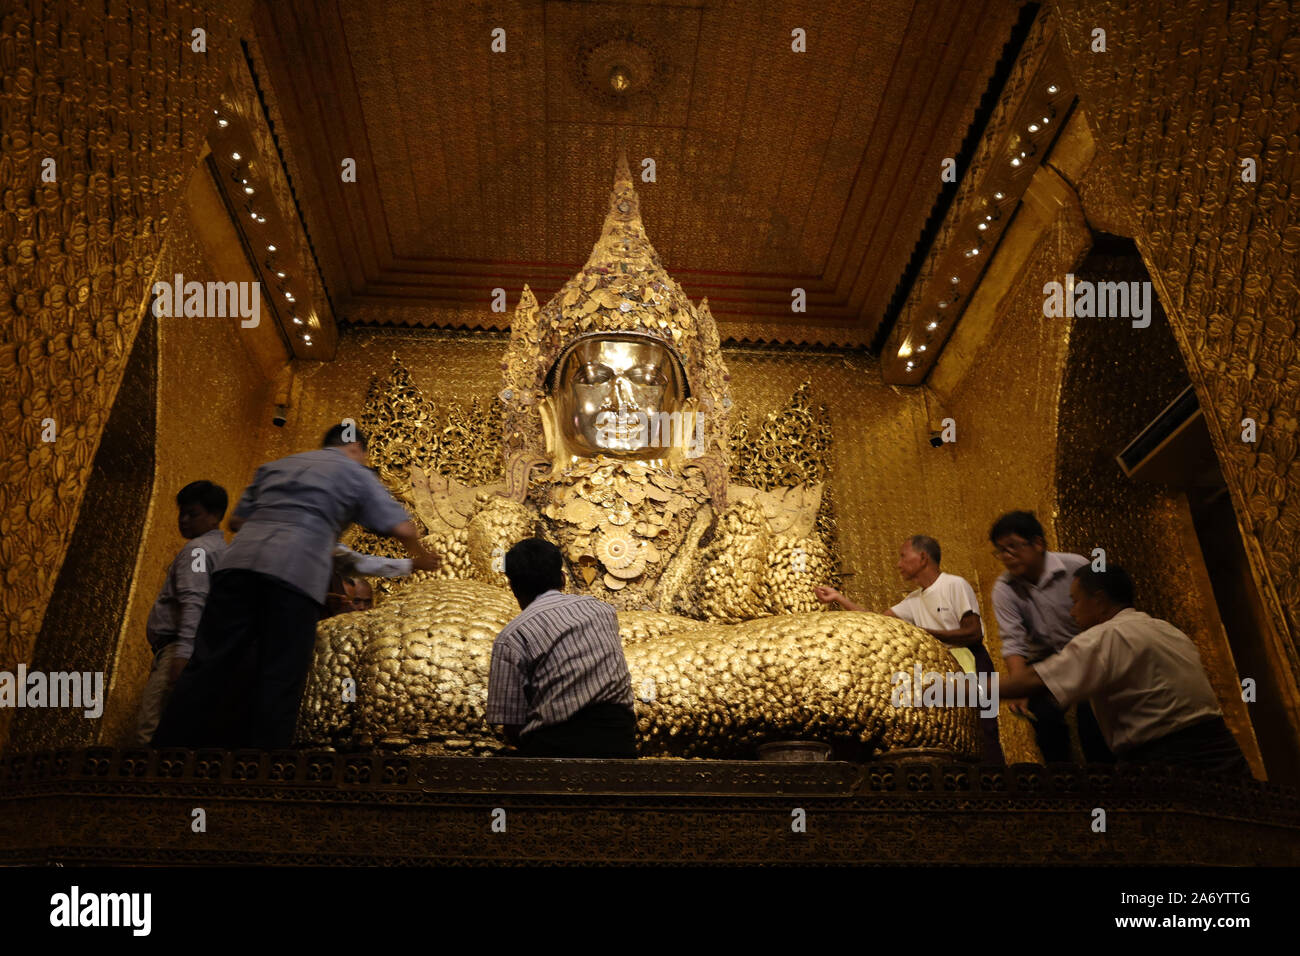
<point x="709" y="560"/>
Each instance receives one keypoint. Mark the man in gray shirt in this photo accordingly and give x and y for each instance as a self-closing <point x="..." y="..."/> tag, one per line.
<point x="255" y="641"/>
<point x="1032" y="603"/>
<point x="174" y="618"/>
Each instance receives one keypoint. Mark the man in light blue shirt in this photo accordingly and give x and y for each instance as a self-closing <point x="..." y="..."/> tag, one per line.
<point x="255" y="640"/>
<point x="1032" y="603"/>
<point x="174" y="617"/>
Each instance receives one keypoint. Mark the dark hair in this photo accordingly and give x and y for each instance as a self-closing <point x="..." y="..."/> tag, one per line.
<point x="1114" y="582"/>
<point x="923" y="542"/>
<point x="533" y="567"/>
<point x="1022" y="523"/>
<point x="210" y="497"/>
<point x="334" y="437"/>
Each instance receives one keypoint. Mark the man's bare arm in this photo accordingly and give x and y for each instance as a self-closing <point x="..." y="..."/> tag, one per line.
<point x="828" y="595"/>
<point x="1021" y="684"/>
<point x="423" y="559"/>
<point x="969" y="632"/>
<point x="1018" y="668"/>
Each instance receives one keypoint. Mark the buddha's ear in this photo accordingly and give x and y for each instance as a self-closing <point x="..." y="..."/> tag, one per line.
<point x="547" y="409"/>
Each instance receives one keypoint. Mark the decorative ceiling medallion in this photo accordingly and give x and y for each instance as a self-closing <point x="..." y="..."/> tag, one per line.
<point x="619" y="68"/>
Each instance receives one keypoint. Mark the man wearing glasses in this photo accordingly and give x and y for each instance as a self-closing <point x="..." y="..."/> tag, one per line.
<point x="1032" y="602"/>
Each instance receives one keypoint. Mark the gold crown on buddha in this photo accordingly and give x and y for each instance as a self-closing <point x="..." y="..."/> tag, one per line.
<point x="624" y="290"/>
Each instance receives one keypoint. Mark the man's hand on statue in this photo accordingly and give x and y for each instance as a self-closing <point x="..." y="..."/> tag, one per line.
<point x="422" y="559"/>
<point x="1017" y="670"/>
<point x="827" y="595"/>
<point x="428" y="561"/>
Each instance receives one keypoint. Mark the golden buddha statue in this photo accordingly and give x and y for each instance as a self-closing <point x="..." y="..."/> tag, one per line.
<point x="615" y="407"/>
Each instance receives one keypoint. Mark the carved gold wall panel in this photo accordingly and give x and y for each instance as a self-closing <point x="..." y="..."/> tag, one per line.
<point x="114" y="94"/>
<point x="1184" y="93"/>
<point x="82" y="624"/>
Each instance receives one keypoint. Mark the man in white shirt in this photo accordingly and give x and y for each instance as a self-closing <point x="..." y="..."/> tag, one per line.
<point x="174" y="618"/>
<point x="945" y="606"/>
<point x="1144" y="677"/>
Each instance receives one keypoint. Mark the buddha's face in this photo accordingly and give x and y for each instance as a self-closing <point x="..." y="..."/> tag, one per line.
<point x="611" y="392"/>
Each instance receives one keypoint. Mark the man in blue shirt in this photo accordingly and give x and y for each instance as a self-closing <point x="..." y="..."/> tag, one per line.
<point x="255" y="641"/>
<point x="1032" y="603"/>
<point x="174" y="618"/>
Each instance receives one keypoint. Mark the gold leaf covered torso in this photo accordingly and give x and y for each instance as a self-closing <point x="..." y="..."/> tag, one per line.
<point x="623" y="519"/>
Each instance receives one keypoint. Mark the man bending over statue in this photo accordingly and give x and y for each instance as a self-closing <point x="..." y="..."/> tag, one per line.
<point x="559" y="682"/>
<point x="258" y="631"/>
<point x="1143" y="676"/>
<point x="945" y="606"/>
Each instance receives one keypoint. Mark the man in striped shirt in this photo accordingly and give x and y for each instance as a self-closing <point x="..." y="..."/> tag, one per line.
<point x="559" y="682"/>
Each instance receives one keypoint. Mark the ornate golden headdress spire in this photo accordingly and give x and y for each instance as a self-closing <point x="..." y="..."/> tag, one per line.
<point x="623" y="289"/>
<point x="623" y="286"/>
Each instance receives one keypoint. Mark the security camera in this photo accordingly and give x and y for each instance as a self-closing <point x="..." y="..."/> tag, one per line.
<point x="283" y="394"/>
<point x="940" y="427"/>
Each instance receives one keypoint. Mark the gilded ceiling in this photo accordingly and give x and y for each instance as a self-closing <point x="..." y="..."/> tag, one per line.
<point x="479" y="169"/>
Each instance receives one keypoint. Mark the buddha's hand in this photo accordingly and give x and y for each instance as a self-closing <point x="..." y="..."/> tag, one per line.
<point x="734" y="566"/>
<point x="442" y="503"/>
